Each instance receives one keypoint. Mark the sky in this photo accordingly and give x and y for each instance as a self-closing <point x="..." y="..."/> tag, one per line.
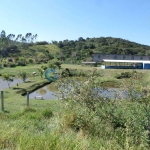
<point x="70" y="19"/>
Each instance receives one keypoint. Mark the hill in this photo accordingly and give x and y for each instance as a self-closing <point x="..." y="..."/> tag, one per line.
<point x="68" y="50"/>
<point x="83" y="48"/>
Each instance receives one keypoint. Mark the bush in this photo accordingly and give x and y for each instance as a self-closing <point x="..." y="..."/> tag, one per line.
<point x="5" y="65"/>
<point x="23" y="75"/>
<point x="11" y="64"/>
<point x="30" y="60"/>
<point x="87" y="110"/>
<point x="123" y="75"/>
<point x="47" y="113"/>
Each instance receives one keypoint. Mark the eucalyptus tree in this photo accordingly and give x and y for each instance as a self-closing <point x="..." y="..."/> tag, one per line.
<point x="35" y="37"/>
<point x="18" y="38"/>
<point x="23" y="40"/>
<point x="3" y="34"/>
<point x="10" y="38"/>
<point x="28" y="37"/>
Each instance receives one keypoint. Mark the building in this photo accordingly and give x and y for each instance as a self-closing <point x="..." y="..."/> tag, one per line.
<point x="112" y="61"/>
<point x="99" y="57"/>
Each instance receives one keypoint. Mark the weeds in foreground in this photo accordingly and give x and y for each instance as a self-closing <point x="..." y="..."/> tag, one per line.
<point x="91" y="117"/>
<point x="118" y="116"/>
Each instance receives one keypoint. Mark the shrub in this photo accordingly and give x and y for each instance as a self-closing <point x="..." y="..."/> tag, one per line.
<point x="87" y="110"/>
<point x="47" y="113"/>
<point x="23" y="75"/>
<point x="30" y="60"/>
<point x="123" y="75"/>
<point x="29" y="109"/>
<point x="11" y="64"/>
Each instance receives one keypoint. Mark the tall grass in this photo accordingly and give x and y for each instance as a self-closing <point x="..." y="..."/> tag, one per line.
<point x="83" y="120"/>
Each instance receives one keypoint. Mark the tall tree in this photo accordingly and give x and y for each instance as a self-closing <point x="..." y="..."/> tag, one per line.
<point x="3" y="34"/>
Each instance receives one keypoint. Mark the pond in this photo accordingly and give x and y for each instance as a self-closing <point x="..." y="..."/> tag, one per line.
<point x="45" y="92"/>
<point x="4" y="84"/>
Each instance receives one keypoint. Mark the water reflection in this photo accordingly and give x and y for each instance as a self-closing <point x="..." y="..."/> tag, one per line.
<point x="42" y="91"/>
<point x="45" y="92"/>
<point x="51" y="87"/>
<point x="48" y="92"/>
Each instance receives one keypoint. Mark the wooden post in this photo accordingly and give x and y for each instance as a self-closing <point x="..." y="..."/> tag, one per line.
<point x="27" y="99"/>
<point x="2" y="100"/>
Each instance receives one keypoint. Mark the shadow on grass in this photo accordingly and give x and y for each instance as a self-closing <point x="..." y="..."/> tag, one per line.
<point x="27" y="82"/>
<point x="4" y="112"/>
<point x="17" y="88"/>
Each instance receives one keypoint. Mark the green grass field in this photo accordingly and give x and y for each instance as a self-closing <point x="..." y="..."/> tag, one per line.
<point x="62" y="125"/>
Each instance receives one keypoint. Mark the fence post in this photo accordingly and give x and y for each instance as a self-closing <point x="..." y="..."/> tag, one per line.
<point x="2" y="100"/>
<point x="27" y="98"/>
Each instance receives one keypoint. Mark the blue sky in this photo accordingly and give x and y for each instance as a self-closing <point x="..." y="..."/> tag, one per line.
<point x="71" y="19"/>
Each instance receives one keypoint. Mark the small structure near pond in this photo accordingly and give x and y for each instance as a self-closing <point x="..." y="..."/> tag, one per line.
<point x="39" y="97"/>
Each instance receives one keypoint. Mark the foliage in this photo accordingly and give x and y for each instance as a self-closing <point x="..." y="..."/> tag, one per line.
<point x="47" y="113"/>
<point x="68" y="51"/>
<point x="30" y="60"/>
<point x="8" y="77"/>
<point x="120" y="115"/>
<point x="44" y="67"/>
<point x="41" y="56"/>
<point x="41" y="72"/>
<point x="83" y="120"/>
<point x="82" y="49"/>
<point x="54" y="63"/>
<point x="21" y="61"/>
<point x="23" y="75"/>
<point x="123" y="75"/>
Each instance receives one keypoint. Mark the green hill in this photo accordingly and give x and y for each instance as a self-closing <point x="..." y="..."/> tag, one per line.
<point x="69" y="50"/>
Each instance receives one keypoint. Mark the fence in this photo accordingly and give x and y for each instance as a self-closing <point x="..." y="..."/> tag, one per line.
<point x="2" y="99"/>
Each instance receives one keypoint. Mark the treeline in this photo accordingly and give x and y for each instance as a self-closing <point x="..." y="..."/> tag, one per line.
<point x="83" y="48"/>
<point x="12" y="43"/>
<point x="69" y="51"/>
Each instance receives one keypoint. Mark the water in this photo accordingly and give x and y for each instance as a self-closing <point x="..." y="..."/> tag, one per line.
<point x="48" y="92"/>
<point x="45" y="92"/>
<point x="4" y="84"/>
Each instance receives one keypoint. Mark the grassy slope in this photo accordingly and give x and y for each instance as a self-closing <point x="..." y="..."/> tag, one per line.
<point x="37" y="49"/>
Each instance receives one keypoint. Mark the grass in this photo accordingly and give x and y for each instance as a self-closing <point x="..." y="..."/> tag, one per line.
<point x="35" y="50"/>
<point x="53" y="124"/>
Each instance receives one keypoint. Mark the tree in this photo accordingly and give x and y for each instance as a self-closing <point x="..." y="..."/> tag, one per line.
<point x="81" y="39"/>
<point x="30" y="60"/>
<point x="18" y="38"/>
<point x="54" y="63"/>
<point x="41" y="56"/>
<point x="10" y="38"/>
<point x="3" y="34"/>
<point x="23" y="75"/>
<point x="41" y="72"/>
<point x="8" y="78"/>
<point x="21" y="61"/>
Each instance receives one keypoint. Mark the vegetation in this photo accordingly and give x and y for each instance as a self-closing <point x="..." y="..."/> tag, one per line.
<point x="83" y="120"/>
<point x="8" y="78"/>
<point x="71" y="51"/>
<point x="23" y="76"/>
<point x="91" y="114"/>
